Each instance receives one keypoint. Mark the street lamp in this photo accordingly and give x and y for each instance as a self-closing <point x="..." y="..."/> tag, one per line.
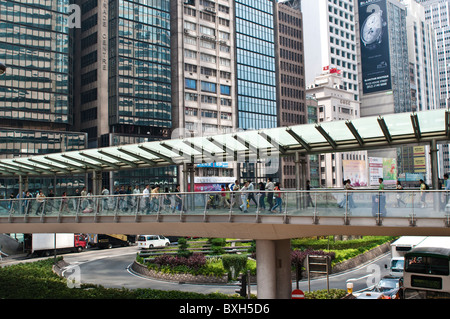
<point x="2" y="68"/>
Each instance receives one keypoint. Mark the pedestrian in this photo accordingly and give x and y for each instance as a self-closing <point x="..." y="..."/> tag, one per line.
<point x="146" y="198"/>
<point x="228" y="196"/>
<point x="64" y="204"/>
<point x="447" y="188"/>
<point x="251" y="195"/>
<point x="105" y="201"/>
<point x="136" y="192"/>
<point x="244" y="196"/>
<point x="178" y="199"/>
<point x="223" y="197"/>
<point x="308" y="195"/>
<point x="40" y="200"/>
<point x="399" y="194"/>
<point x="234" y="197"/>
<point x="270" y="187"/>
<point x="76" y="199"/>
<point x="262" y="196"/>
<point x="278" y="200"/>
<point x="167" y="199"/>
<point x="155" y="198"/>
<point x="381" y="184"/>
<point x="423" y="188"/>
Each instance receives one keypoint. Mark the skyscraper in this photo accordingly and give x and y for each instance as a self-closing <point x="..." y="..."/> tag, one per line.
<point x="330" y="34"/>
<point x="36" y="90"/>
<point x="291" y="84"/>
<point x="122" y="62"/>
<point x="123" y="95"/>
<point x="255" y="64"/>
<point x="437" y="15"/>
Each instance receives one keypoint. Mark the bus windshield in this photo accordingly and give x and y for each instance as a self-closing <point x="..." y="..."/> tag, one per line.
<point x="427" y="265"/>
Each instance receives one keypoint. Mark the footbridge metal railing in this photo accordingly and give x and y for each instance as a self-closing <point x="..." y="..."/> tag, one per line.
<point x="411" y="205"/>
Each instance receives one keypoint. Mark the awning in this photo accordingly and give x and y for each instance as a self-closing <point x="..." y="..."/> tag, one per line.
<point x="365" y="133"/>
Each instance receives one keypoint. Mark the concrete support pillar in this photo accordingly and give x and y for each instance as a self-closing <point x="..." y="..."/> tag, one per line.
<point x="96" y="183"/>
<point x="434" y="174"/>
<point x="273" y="269"/>
<point x="434" y="165"/>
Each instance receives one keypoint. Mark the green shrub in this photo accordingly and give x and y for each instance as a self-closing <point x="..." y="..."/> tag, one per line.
<point x="217" y="245"/>
<point x="234" y="264"/>
<point x="183" y="248"/>
<point x="324" y="294"/>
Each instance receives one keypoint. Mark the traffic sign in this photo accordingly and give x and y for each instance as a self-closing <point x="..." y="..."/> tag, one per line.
<point x="298" y="294"/>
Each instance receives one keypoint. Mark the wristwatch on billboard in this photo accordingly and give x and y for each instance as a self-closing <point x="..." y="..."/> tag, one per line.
<point x="372" y="29"/>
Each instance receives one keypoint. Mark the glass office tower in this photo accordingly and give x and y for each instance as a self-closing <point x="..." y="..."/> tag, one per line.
<point x="123" y="83"/>
<point x="255" y="61"/>
<point x="36" y="90"/>
<point x="34" y="44"/>
<point x="122" y="54"/>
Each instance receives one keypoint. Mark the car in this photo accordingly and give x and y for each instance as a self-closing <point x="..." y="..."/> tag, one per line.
<point x="152" y="241"/>
<point x="389" y="286"/>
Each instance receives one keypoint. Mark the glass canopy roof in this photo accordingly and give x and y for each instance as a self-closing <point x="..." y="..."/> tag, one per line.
<point x="338" y="136"/>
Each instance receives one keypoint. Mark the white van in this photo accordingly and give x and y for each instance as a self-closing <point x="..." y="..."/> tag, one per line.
<point x="150" y="241"/>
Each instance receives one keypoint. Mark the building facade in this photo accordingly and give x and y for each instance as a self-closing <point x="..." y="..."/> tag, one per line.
<point x="36" y="90"/>
<point x="335" y="103"/>
<point x="437" y="15"/>
<point x="331" y="37"/>
<point x="291" y="78"/>
<point x="123" y="94"/>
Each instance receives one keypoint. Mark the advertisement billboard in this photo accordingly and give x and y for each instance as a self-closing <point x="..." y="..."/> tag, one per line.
<point x="355" y="171"/>
<point x="385" y="168"/>
<point x="375" y="57"/>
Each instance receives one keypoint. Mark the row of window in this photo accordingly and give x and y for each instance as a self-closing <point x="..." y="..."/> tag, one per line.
<point x="188" y="96"/>
<point x="207" y="86"/>
<point x="189" y="111"/>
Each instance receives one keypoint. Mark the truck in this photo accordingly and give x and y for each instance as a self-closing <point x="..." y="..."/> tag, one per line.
<point x="111" y="240"/>
<point x="45" y="244"/>
<point x="398" y="250"/>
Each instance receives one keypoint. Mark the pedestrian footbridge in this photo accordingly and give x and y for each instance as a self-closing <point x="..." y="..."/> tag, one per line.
<point x="209" y="214"/>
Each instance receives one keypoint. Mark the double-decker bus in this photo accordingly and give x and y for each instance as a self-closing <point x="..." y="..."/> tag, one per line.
<point x="427" y="270"/>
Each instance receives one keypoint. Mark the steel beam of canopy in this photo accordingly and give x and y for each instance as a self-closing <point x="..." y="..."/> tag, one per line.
<point x="224" y="147"/>
<point x="384" y="129"/>
<point x="274" y="143"/>
<point x="118" y="158"/>
<point x="251" y="149"/>
<point x="13" y="169"/>
<point x="65" y="163"/>
<point x="203" y="151"/>
<point x="55" y="167"/>
<point x="326" y="136"/>
<point x="137" y="156"/>
<point x="100" y="160"/>
<point x="30" y="166"/>
<point x="299" y="139"/>
<point x="19" y="168"/>
<point x="83" y="161"/>
<point x="416" y="126"/>
<point x="189" y="158"/>
<point x="157" y="154"/>
<point x="355" y="133"/>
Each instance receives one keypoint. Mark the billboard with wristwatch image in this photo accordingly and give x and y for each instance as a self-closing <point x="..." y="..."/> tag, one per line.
<point x="375" y="56"/>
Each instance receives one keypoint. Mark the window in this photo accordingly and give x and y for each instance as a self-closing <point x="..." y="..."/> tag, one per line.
<point x="225" y="89"/>
<point x="190" y="84"/>
<point x="208" y="86"/>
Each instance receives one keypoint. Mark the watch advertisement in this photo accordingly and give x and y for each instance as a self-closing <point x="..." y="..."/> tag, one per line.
<point x="375" y="58"/>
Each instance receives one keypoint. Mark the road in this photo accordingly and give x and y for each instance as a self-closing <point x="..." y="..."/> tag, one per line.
<point x="110" y="268"/>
